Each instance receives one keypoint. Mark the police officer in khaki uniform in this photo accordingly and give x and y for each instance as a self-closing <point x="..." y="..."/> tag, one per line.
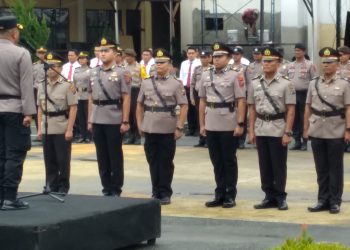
<point x="219" y="94"/>
<point x="16" y="109"/>
<point x="205" y="57"/>
<point x="60" y="116"/>
<point x="38" y="74"/>
<point x="271" y="101"/>
<point x="283" y="69"/>
<point x="157" y="121"/>
<point x="344" y="65"/>
<point x="109" y="106"/>
<point x="134" y="69"/>
<point x="243" y="78"/>
<point x="255" y="68"/>
<point x="81" y="82"/>
<point x="301" y="71"/>
<point x="327" y="124"/>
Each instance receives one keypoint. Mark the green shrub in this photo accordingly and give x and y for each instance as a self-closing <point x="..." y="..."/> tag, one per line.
<point x="305" y="242"/>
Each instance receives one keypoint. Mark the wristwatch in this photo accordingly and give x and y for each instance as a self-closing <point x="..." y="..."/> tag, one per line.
<point x="125" y="122"/>
<point x="241" y="124"/>
<point x="180" y="129"/>
<point x="288" y="133"/>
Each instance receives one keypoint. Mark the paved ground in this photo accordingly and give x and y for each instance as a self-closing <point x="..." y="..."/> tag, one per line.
<point x="187" y="224"/>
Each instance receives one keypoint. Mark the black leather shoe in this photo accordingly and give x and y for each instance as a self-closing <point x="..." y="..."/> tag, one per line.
<point x="215" y="203"/>
<point x="334" y="209"/>
<point x="303" y="146"/>
<point x="296" y="146"/>
<point x="199" y="145"/>
<point x="266" y="204"/>
<point x="14" y="205"/>
<point x="282" y="205"/>
<point x="228" y="203"/>
<point x="165" y="201"/>
<point x="318" y="207"/>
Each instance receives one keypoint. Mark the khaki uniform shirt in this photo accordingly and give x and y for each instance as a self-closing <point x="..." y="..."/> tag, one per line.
<point x="196" y="80"/>
<point x="226" y="82"/>
<point x="283" y="70"/>
<point x="172" y="92"/>
<point x="242" y="71"/>
<point x="135" y="71"/>
<point x="63" y="94"/>
<point x="282" y="92"/>
<point x="16" y="79"/>
<point x="114" y="83"/>
<point x="82" y="81"/>
<point x="254" y="69"/>
<point x="344" y="71"/>
<point x="38" y="74"/>
<point x="301" y="74"/>
<point x="337" y="92"/>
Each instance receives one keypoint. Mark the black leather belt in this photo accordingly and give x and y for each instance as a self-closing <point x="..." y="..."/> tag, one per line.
<point x="268" y="117"/>
<point x="338" y="112"/>
<point x="215" y="105"/>
<point x="56" y="113"/>
<point x="106" y="102"/>
<point x="82" y="89"/>
<point x="6" y="97"/>
<point x="159" y="109"/>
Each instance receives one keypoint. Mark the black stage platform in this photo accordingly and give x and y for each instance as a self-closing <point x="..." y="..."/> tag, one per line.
<point x="81" y="223"/>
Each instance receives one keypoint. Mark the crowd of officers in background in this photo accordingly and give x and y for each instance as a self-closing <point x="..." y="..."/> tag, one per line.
<point x="222" y="96"/>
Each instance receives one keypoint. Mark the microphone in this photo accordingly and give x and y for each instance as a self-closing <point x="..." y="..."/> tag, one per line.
<point x="24" y="43"/>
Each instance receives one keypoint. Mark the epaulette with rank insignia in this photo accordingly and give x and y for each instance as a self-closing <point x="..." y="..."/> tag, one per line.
<point x="346" y="79"/>
<point x="315" y="78"/>
<point x="209" y="68"/>
<point x="257" y="77"/>
<point x="286" y="77"/>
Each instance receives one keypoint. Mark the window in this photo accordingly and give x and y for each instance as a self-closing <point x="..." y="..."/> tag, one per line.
<point x="210" y="23"/>
<point x="58" y="22"/>
<point x="101" y="23"/>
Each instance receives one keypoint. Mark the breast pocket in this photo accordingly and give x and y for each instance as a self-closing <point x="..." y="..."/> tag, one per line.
<point x="168" y="97"/>
<point x="303" y="74"/>
<point x="291" y="73"/>
<point x="60" y="101"/>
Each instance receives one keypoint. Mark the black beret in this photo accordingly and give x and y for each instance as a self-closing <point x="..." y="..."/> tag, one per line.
<point x="270" y="54"/>
<point x="205" y="53"/>
<point x="300" y="46"/>
<point x="328" y="54"/>
<point x="161" y="55"/>
<point x="221" y="49"/>
<point x="9" y="22"/>
<point x="257" y="50"/>
<point x="238" y="50"/>
<point x="344" y="50"/>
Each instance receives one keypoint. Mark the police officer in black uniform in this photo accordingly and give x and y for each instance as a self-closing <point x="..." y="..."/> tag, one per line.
<point x="17" y="106"/>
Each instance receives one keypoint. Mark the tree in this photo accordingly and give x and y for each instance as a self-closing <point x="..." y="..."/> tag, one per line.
<point x="35" y="31"/>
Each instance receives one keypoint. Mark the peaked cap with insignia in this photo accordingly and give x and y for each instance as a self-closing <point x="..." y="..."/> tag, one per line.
<point x="161" y="55"/>
<point x="329" y="54"/>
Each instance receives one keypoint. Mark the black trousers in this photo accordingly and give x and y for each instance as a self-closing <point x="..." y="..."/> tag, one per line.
<point x="273" y="166"/>
<point x="191" y="114"/>
<point x="202" y="139"/>
<point x="14" y="144"/>
<point x="57" y="156"/>
<point x="222" y="151"/>
<point x="298" y="126"/>
<point x="329" y="161"/>
<point x="83" y="118"/>
<point x="160" y="152"/>
<point x="132" y="117"/>
<point x="108" y="143"/>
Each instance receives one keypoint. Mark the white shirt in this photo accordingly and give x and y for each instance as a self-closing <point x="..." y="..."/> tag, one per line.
<point x="149" y="65"/>
<point x="184" y="70"/>
<point x="244" y="61"/>
<point x="93" y="62"/>
<point x="66" y="68"/>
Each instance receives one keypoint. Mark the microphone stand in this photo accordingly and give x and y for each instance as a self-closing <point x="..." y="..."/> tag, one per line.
<point x="46" y="189"/>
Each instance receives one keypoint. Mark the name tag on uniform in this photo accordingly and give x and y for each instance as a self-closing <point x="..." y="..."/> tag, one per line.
<point x="337" y="88"/>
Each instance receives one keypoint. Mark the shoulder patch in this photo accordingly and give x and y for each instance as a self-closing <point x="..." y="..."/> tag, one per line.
<point x="209" y="68"/>
<point x="257" y="77"/>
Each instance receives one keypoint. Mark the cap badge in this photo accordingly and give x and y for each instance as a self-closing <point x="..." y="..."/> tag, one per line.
<point x="160" y="53"/>
<point x="267" y="52"/>
<point x="49" y="56"/>
<point x="327" y="52"/>
<point x="103" y="41"/>
<point x="216" y="46"/>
